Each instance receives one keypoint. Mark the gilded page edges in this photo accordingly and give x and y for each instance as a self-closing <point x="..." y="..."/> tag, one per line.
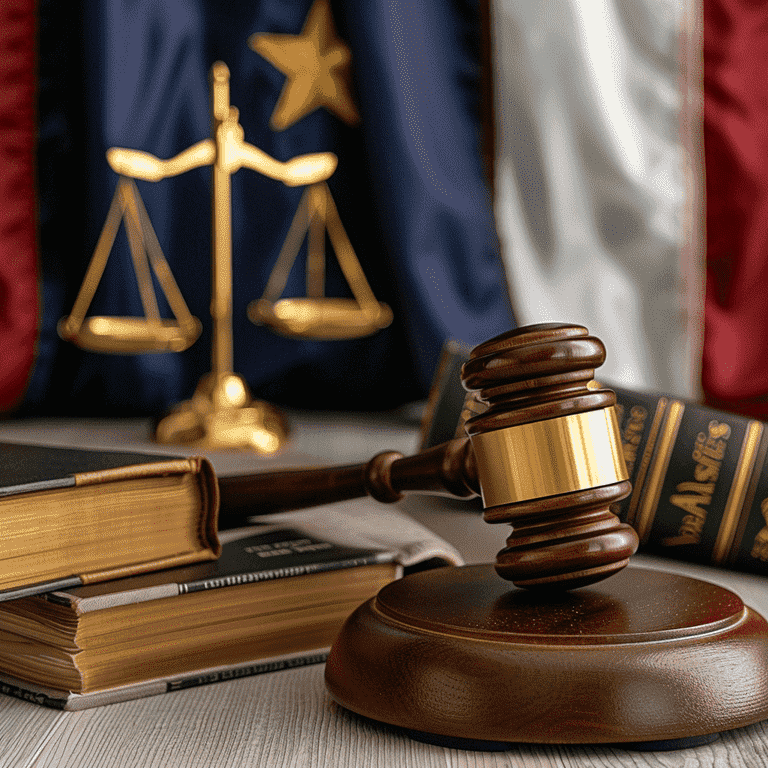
<point x="209" y="519"/>
<point x="208" y="514"/>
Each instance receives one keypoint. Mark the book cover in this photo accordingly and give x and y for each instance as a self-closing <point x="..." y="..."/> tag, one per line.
<point x="275" y="554"/>
<point x="67" y="700"/>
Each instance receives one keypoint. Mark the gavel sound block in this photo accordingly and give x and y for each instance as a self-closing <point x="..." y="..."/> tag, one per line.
<point x="564" y="654"/>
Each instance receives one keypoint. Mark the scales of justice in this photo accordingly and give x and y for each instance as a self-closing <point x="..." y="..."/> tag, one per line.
<point x="222" y="413"/>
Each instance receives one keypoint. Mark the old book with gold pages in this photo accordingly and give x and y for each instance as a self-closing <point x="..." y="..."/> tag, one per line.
<point x="273" y="600"/>
<point x="72" y="516"/>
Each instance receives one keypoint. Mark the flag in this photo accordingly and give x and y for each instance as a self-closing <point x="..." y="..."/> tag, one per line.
<point x="409" y="188"/>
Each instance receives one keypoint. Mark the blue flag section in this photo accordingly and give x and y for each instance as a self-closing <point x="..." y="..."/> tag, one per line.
<point x="409" y="189"/>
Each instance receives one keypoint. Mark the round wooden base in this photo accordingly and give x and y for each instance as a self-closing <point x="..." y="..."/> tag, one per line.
<point x="644" y="656"/>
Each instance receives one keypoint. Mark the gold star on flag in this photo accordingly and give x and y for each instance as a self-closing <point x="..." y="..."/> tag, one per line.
<point x="317" y="66"/>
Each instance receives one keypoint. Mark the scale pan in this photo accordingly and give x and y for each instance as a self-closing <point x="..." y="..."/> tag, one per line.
<point x="320" y="318"/>
<point x="130" y="335"/>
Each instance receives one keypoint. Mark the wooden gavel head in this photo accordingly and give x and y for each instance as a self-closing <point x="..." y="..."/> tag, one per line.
<point x="548" y="456"/>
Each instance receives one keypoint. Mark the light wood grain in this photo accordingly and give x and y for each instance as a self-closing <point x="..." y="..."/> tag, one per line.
<point x="284" y="720"/>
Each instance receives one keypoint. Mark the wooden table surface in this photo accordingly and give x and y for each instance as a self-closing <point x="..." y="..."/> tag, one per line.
<point x="286" y="718"/>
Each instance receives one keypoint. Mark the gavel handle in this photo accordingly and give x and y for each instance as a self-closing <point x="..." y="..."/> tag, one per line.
<point x="445" y="469"/>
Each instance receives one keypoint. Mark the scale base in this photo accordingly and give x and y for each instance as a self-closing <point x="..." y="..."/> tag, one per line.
<point x="645" y="659"/>
<point x="220" y="415"/>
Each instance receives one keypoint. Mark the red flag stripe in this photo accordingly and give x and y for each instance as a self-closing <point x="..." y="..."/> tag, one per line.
<point x="735" y="355"/>
<point x="19" y="314"/>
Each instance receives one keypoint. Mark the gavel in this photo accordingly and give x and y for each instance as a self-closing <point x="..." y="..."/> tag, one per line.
<point x="545" y="456"/>
<point x="459" y="657"/>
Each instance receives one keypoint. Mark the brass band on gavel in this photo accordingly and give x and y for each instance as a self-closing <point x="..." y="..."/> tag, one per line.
<point x="551" y="457"/>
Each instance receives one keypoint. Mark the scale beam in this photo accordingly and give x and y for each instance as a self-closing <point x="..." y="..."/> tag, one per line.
<point x="142" y="165"/>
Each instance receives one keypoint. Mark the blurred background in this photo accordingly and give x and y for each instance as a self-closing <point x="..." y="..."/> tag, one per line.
<point x="503" y="161"/>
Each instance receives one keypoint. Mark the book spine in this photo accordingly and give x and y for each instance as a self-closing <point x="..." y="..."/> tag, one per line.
<point x="283" y="573"/>
<point x="249" y="670"/>
<point x="699" y="481"/>
<point x="35" y="697"/>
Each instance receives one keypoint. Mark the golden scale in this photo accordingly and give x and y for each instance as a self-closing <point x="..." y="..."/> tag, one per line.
<point x="221" y="413"/>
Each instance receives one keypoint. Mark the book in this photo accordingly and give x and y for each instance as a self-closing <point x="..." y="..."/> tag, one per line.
<point x="446" y="398"/>
<point x="73" y="516"/>
<point x="699" y="481"/>
<point x="272" y="600"/>
<point x="699" y="475"/>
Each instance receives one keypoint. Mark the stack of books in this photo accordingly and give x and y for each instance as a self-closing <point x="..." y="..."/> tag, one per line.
<point x="114" y="584"/>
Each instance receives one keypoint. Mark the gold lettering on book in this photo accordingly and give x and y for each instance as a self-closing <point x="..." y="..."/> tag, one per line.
<point x="760" y="547"/>
<point x="694" y="497"/>
<point x="645" y="462"/>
